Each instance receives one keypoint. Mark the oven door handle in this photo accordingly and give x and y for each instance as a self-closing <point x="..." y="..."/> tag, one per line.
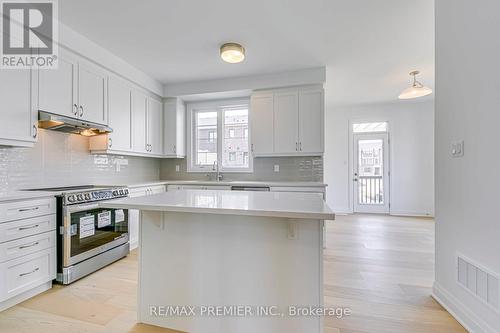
<point x="80" y="208"/>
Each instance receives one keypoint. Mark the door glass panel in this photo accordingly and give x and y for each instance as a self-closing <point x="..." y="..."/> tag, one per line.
<point x="93" y="228"/>
<point x="371" y="172"/>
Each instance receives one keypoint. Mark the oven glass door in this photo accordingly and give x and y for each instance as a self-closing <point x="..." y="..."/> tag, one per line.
<point x="95" y="228"/>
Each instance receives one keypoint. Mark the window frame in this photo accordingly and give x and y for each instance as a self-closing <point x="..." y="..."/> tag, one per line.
<point x="218" y="106"/>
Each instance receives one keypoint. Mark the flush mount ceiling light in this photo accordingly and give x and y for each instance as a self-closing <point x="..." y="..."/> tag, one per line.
<point x="232" y="53"/>
<point x="416" y="90"/>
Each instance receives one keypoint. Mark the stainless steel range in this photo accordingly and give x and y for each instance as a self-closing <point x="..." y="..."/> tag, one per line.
<point x="89" y="237"/>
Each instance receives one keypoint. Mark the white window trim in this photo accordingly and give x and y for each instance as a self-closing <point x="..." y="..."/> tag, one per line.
<point x="216" y="106"/>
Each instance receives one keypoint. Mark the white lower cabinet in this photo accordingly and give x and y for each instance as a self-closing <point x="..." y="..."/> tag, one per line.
<point x="27" y="249"/>
<point x="134" y="216"/>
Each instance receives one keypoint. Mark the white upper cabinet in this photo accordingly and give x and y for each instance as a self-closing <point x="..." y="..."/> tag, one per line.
<point x="288" y="122"/>
<point x="119" y="114"/>
<point x="139" y="118"/>
<point x="18" y="107"/>
<point x="155" y="127"/>
<point x="311" y="120"/>
<point x="262" y="123"/>
<point x="286" y="115"/>
<point x="58" y="87"/>
<point x="76" y="89"/>
<point x="174" y="113"/>
<point x="91" y="93"/>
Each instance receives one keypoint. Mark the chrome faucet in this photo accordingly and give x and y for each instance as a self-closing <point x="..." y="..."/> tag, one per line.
<point x="215" y="168"/>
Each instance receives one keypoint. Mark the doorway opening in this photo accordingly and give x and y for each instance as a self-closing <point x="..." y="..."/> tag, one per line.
<point x="370" y="179"/>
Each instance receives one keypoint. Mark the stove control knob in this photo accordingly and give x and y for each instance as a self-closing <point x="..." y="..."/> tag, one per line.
<point x="115" y="192"/>
<point x="121" y="192"/>
<point x="87" y="196"/>
<point x="79" y="197"/>
<point x="126" y="191"/>
<point x="71" y="198"/>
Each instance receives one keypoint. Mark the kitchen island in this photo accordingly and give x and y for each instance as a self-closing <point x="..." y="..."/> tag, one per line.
<point x="229" y="261"/>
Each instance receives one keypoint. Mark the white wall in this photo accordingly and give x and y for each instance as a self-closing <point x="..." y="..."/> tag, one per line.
<point x="467" y="108"/>
<point x="411" y="153"/>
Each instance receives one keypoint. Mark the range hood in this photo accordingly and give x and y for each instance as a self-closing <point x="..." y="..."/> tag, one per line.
<point x="65" y="124"/>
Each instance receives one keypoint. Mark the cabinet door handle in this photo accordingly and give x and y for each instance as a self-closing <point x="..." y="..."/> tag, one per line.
<point x="28" y="209"/>
<point x="81" y="111"/>
<point x="110" y="142"/>
<point x="251" y="147"/>
<point x="175" y="149"/>
<point x="28" y="273"/>
<point x="30" y="227"/>
<point x="35" y="131"/>
<point x="296" y="146"/>
<point x="75" y="111"/>
<point x="28" y="245"/>
<point x="300" y="146"/>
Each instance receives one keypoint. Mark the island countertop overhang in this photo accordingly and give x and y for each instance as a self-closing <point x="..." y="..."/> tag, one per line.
<point x="243" y="203"/>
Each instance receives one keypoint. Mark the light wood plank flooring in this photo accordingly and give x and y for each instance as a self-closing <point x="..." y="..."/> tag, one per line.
<point x="380" y="267"/>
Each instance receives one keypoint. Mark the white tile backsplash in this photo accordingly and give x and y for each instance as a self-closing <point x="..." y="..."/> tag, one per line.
<point x="60" y="159"/>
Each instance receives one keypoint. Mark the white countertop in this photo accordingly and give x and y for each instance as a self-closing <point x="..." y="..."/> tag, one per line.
<point x="25" y="195"/>
<point x="220" y="183"/>
<point x="270" y="204"/>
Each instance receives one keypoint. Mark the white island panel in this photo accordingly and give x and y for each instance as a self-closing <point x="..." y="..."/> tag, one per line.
<point x="190" y="259"/>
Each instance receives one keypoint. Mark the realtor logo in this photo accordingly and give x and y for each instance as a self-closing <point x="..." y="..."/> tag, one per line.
<point x="29" y="34"/>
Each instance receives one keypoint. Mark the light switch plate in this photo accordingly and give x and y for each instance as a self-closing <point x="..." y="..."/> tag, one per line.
<point x="457" y="149"/>
<point x="276" y="168"/>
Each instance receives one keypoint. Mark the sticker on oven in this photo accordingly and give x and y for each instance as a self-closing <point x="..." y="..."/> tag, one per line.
<point x="87" y="226"/>
<point x="103" y="219"/>
<point x="119" y="215"/>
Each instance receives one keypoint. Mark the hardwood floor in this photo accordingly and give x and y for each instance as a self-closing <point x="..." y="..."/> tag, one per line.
<point x="380" y="267"/>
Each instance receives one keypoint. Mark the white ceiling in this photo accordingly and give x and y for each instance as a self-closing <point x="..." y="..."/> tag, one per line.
<point x="368" y="46"/>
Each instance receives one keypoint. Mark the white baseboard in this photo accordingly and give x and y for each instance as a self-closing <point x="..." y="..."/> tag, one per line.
<point x="410" y="214"/>
<point x="341" y="211"/>
<point x="134" y="245"/>
<point x="24" y="296"/>
<point x="459" y="311"/>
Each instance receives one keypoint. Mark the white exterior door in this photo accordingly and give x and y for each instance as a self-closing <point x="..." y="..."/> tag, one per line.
<point x="371" y="173"/>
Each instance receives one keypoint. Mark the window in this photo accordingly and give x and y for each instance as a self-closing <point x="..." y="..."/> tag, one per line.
<point x="369" y="127"/>
<point x="219" y="135"/>
<point x="212" y="136"/>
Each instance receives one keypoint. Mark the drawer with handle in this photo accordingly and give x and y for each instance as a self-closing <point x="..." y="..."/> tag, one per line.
<point x="17" y="210"/>
<point x="28" y="227"/>
<point x="27" y="272"/>
<point x="21" y="247"/>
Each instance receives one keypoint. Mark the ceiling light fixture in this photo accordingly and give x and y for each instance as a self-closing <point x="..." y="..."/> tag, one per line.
<point x="232" y="53"/>
<point x="416" y="90"/>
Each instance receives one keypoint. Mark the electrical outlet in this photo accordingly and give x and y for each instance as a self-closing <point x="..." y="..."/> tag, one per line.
<point x="457" y="149"/>
<point x="177" y="168"/>
<point x="276" y="168"/>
